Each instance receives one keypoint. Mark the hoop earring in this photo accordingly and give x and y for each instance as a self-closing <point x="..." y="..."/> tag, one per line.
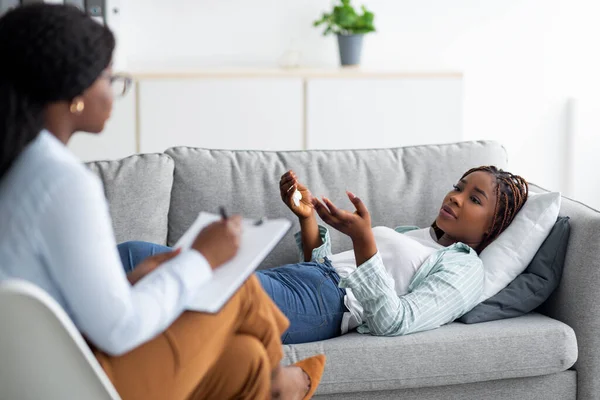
<point x="77" y="107"/>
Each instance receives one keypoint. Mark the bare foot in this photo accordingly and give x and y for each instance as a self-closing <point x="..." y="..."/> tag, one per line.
<point x="289" y="383"/>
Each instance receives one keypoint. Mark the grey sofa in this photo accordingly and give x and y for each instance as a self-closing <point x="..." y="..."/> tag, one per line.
<point x="553" y="353"/>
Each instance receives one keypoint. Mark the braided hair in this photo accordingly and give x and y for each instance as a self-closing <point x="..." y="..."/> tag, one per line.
<point x="49" y="53"/>
<point x="511" y="193"/>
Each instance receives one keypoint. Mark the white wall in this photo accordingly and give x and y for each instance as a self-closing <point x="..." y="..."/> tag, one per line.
<point x="583" y="150"/>
<point x="522" y="59"/>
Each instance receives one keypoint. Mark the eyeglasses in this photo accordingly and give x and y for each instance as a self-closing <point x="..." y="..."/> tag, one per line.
<point x="120" y="84"/>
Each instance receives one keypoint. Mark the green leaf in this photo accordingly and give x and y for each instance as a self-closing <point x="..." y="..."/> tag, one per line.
<point x="344" y="19"/>
<point x="367" y="18"/>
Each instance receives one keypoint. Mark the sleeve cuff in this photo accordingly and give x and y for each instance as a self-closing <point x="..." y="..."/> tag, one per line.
<point x="192" y="268"/>
<point x="322" y="251"/>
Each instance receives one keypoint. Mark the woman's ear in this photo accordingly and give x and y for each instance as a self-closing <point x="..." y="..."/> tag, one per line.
<point x="489" y="227"/>
<point x="77" y="105"/>
<point x="486" y="233"/>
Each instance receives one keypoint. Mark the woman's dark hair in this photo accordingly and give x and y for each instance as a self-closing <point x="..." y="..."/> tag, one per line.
<point x="511" y="193"/>
<point x="49" y="53"/>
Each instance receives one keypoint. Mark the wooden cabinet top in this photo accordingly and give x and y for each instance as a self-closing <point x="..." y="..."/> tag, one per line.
<point x="303" y="73"/>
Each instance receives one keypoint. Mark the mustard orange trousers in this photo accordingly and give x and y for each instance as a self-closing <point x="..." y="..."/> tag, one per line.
<point x="226" y="355"/>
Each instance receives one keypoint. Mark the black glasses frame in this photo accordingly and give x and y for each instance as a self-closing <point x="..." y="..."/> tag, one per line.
<point x="125" y="80"/>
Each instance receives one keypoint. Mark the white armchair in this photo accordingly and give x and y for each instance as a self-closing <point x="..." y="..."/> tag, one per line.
<point x="42" y="354"/>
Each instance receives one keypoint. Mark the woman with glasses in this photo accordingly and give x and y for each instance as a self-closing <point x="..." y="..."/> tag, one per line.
<point x="120" y="84"/>
<point x="56" y="79"/>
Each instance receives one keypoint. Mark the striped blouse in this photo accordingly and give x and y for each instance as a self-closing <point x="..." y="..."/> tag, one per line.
<point x="448" y="285"/>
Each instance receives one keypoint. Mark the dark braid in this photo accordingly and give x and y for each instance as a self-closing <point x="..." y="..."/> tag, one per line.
<point x="49" y="53"/>
<point x="511" y="193"/>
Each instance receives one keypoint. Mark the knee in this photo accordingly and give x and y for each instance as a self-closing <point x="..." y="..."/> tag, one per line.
<point x="249" y="349"/>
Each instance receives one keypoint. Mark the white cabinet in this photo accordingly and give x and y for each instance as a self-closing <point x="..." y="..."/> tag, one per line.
<point x="391" y="112"/>
<point x="280" y="110"/>
<point x="118" y="139"/>
<point x="222" y="113"/>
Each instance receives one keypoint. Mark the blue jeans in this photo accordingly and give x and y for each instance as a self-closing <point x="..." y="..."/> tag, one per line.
<point x="308" y="294"/>
<point x="132" y="253"/>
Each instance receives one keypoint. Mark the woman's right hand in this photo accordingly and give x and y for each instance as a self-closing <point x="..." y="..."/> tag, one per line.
<point x="288" y="184"/>
<point x="219" y="241"/>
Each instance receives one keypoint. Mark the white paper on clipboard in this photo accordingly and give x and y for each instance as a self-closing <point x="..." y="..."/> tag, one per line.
<point x="256" y="243"/>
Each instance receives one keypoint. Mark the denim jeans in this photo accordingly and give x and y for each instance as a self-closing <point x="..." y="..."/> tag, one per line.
<point x="308" y="294"/>
<point x="132" y="253"/>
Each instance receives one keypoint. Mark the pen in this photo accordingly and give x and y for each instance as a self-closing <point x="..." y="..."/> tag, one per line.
<point x="223" y="213"/>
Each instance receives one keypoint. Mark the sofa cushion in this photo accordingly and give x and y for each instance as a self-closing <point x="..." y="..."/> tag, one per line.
<point x="400" y="186"/>
<point x="138" y="189"/>
<point x="530" y="345"/>
<point x="531" y="288"/>
<point x="559" y="386"/>
<point x="510" y="253"/>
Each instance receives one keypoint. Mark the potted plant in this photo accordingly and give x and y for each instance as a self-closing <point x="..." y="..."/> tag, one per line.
<point x="349" y="26"/>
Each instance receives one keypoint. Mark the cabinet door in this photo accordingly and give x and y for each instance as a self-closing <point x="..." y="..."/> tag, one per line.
<point x="221" y="113"/>
<point x="118" y="138"/>
<point x="390" y="112"/>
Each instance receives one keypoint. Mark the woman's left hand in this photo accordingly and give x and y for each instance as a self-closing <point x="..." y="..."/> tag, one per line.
<point x="149" y="264"/>
<point x="356" y="224"/>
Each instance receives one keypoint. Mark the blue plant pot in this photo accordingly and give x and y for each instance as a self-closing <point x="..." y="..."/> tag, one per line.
<point x="350" y="47"/>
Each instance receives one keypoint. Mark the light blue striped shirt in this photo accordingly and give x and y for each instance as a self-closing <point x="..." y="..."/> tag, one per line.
<point x="448" y="285"/>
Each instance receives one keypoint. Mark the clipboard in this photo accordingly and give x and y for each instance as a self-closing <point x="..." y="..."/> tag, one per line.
<point x="256" y="243"/>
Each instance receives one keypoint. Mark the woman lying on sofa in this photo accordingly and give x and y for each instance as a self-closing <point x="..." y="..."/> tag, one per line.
<point x="390" y="283"/>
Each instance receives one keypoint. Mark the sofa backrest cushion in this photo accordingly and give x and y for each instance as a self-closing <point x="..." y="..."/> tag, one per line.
<point x="400" y="186"/>
<point x="532" y="288"/>
<point x="138" y="189"/>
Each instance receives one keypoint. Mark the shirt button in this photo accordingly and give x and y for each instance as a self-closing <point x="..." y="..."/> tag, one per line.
<point x="321" y="260"/>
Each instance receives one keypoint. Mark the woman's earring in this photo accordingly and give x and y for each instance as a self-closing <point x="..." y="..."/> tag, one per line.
<point x="77" y="107"/>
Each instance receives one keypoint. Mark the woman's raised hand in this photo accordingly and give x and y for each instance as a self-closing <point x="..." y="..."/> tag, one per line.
<point x="288" y="184"/>
<point x="356" y="224"/>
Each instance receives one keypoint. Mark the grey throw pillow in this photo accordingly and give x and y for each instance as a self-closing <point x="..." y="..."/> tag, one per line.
<point x="531" y="288"/>
<point x="138" y="190"/>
